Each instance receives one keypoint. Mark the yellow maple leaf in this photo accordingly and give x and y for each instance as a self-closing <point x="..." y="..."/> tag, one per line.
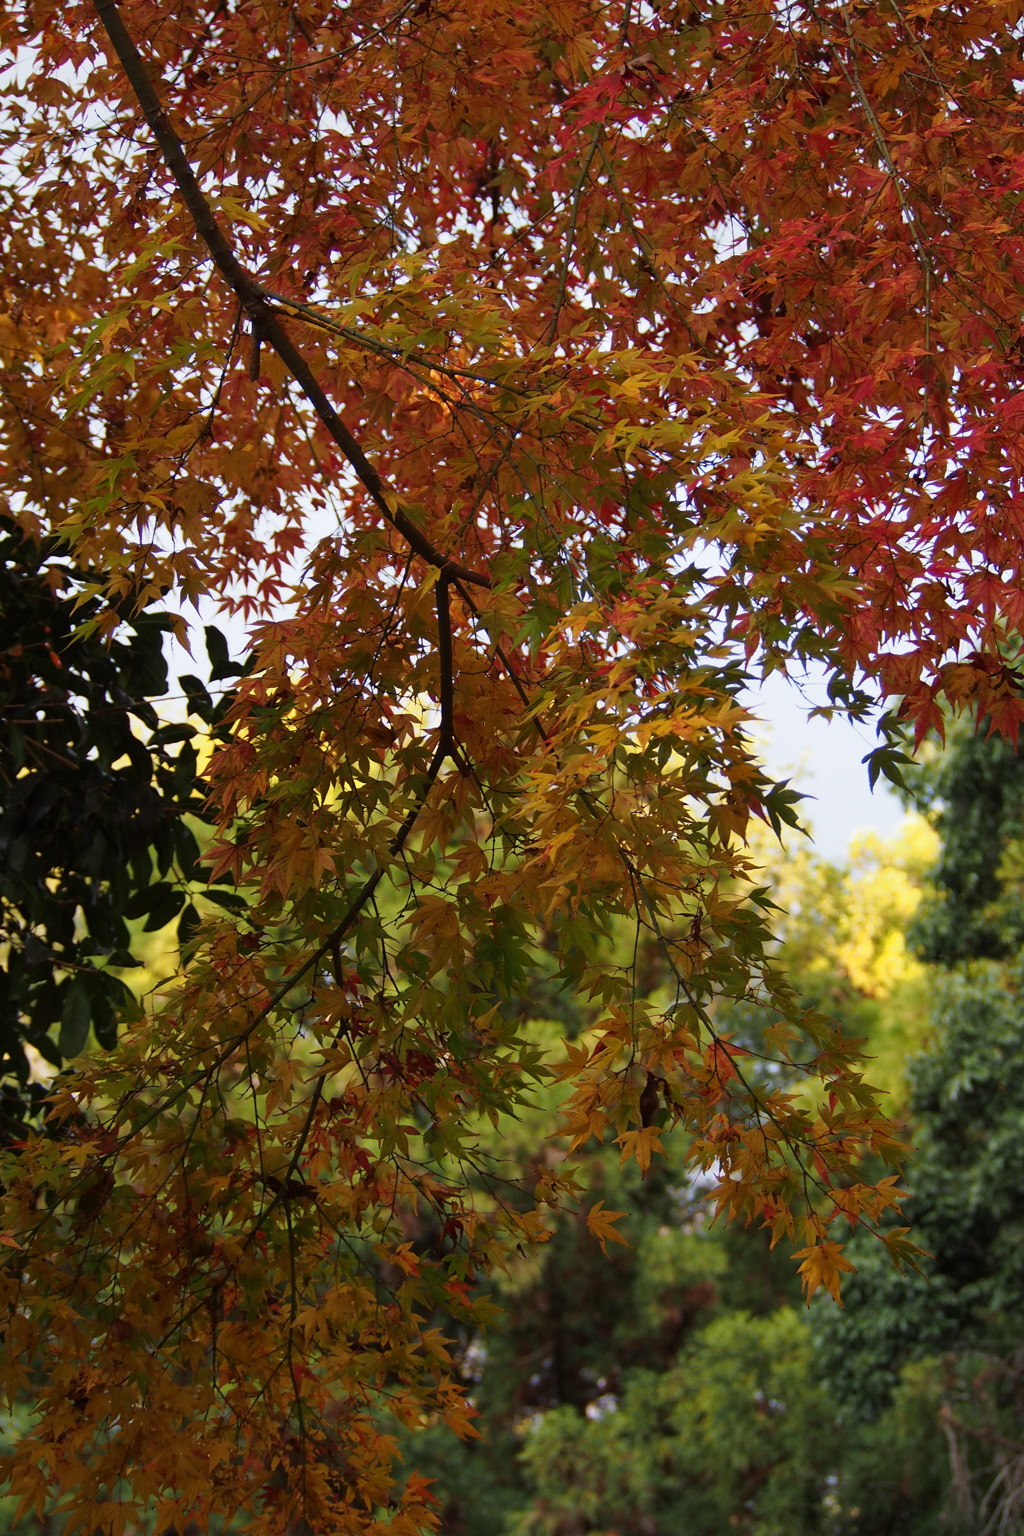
<point x="600" y="1222"/>
<point x="823" y="1264"/>
<point x="641" y="1144"/>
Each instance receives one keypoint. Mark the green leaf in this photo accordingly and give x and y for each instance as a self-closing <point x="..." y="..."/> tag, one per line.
<point x="124" y="960"/>
<point x="188" y="924"/>
<point x="221" y="665"/>
<point x="229" y="899"/>
<point x="164" y="912"/>
<point x="198" y="695"/>
<point x="75" y="1018"/>
<point x="167" y="734"/>
<point x="889" y="762"/>
<point x="144" y="901"/>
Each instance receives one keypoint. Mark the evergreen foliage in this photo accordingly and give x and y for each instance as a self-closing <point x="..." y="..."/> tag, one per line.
<point x="977" y="791"/>
<point x="96" y="793"/>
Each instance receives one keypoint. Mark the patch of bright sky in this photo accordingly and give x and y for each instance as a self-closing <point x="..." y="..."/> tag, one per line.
<point x="822" y="758"/>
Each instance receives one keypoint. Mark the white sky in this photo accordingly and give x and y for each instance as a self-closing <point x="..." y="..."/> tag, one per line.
<point x="823" y="758"/>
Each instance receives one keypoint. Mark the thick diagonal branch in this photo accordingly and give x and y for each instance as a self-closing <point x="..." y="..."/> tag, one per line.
<point x="257" y="305"/>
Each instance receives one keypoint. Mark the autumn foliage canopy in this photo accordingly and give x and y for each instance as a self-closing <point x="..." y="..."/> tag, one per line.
<point x="526" y="375"/>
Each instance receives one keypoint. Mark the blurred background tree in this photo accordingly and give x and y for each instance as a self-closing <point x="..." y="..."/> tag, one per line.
<point x="679" y="1386"/>
<point x="927" y="1368"/>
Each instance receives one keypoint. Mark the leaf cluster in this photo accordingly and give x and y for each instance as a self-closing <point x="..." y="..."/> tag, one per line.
<point x="95" y="796"/>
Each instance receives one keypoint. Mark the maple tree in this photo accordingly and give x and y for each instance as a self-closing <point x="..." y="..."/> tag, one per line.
<point x="524" y="375"/>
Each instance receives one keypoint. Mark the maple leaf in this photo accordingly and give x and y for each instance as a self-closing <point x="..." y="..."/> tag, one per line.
<point x="824" y="1264"/>
<point x="641" y="1145"/>
<point x="601" y="1223"/>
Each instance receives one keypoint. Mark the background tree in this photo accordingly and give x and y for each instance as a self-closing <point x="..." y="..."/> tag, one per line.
<point x="684" y="1390"/>
<point x="526" y="374"/>
<point x="928" y="1363"/>
<point x="701" y="1398"/>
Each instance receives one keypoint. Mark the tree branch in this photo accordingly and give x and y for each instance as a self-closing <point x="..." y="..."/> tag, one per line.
<point x="256" y="302"/>
<point x="446" y="667"/>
